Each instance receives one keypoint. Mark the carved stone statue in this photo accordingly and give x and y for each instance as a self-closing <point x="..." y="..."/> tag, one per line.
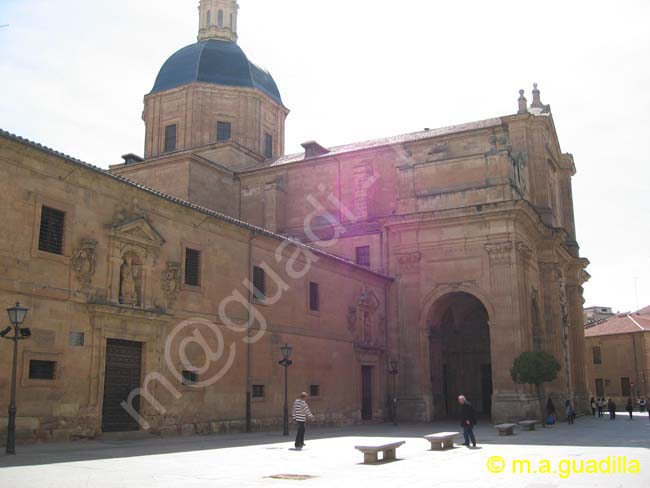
<point x="83" y="261"/>
<point x="170" y="282"/>
<point x="128" y="282"/>
<point x="563" y="301"/>
<point x="519" y="163"/>
<point x="367" y="327"/>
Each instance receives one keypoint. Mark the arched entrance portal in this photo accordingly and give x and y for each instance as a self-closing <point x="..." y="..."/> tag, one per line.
<point x="460" y="354"/>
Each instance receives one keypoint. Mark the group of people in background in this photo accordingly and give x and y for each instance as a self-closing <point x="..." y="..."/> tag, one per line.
<point x="598" y="406"/>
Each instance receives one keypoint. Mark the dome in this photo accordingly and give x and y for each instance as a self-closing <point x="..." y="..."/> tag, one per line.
<point x="214" y="61"/>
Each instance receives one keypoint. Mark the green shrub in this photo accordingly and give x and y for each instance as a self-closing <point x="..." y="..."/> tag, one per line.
<point x="534" y="368"/>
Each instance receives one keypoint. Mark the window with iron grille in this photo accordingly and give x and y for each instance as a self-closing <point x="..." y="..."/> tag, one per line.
<point x="223" y="131"/>
<point x="597" y="355"/>
<point x="170" y="138"/>
<point x="42" y="370"/>
<point x="259" y="283"/>
<point x="258" y="391"/>
<point x="192" y="267"/>
<point x="268" y="146"/>
<point x="314" y="390"/>
<point x="600" y="387"/>
<point x="50" y="238"/>
<point x="76" y="338"/>
<point x="625" y="387"/>
<point x="190" y="377"/>
<point x="314" y="304"/>
<point x="363" y="256"/>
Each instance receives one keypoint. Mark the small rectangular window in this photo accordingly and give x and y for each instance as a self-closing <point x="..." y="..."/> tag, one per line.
<point x="268" y="146"/>
<point x="625" y="387"/>
<point x="314" y="390"/>
<point x="50" y="238"/>
<point x="42" y="370"/>
<point x="77" y="339"/>
<point x="259" y="283"/>
<point x="314" y="299"/>
<point x="170" y="138"/>
<point x="223" y="131"/>
<point x="258" y="391"/>
<point x="192" y="267"/>
<point x="363" y="256"/>
<point x="190" y="377"/>
<point x="600" y="387"/>
<point x="597" y="355"/>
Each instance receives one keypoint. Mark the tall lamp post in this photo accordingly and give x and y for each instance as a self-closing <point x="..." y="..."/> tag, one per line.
<point x="393" y="401"/>
<point x="286" y="362"/>
<point x="16" y="317"/>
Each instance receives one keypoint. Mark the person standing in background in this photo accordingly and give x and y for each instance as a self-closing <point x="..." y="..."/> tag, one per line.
<point x="300" y="414"/>
<point x="467" y="420"/>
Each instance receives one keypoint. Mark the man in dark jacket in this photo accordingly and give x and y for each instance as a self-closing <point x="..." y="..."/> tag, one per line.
<point x="467" y="420"/>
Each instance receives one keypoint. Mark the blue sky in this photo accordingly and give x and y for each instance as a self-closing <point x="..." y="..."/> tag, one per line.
<point x="73" y="75"/>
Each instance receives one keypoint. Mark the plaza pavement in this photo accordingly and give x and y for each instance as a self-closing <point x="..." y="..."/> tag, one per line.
<point x="248" y="460"/>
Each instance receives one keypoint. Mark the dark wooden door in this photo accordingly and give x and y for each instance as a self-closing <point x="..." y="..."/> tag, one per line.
<point x="122" y="376"/>
<point x="486" y="388"/>
<point x="366" y="392"/>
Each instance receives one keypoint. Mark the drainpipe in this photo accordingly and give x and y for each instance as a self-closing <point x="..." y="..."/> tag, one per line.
<point x="636" y="370"/>
<point x="249" y="356"/>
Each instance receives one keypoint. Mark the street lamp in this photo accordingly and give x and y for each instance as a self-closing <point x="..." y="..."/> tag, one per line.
<point x="393" y="403"/>
<point x="16" y="317"/>
<point x="286" y="362"/>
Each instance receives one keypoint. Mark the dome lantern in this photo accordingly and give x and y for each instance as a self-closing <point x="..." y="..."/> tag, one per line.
<point x="218" y="20"/>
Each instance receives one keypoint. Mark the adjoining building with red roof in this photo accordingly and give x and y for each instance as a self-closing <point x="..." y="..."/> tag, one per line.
<point x="618" y="357"/>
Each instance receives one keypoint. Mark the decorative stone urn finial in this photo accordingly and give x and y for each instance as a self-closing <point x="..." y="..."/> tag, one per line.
<point x="537" y="101"/>
<point x="523" y="103"/>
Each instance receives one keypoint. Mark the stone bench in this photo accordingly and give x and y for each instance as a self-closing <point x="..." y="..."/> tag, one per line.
<point x="370" y="452"/>
<point x="505" y="429"/>
<point x="528" y="424"/>
<point x="441" y="440"/>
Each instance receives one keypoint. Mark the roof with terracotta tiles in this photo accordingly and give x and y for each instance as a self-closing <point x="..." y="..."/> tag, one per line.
<point x="644" y="311"/>
<point x="623" y="323"/>
<point x="389" y="141"/>
<point x="178" y="201"/>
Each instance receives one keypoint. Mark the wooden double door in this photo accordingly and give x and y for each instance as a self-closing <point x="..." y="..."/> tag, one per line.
<point x="123" y="374"/>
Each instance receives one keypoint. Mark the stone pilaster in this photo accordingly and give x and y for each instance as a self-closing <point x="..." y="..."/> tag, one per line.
<point x="554" y="328"/>
<point x="509" y="401"/>
<point x="413" y="400"/>
<point x="577" y="348"/>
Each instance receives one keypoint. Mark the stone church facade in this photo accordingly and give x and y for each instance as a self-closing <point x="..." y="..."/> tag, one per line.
<point x="447" y="251"/>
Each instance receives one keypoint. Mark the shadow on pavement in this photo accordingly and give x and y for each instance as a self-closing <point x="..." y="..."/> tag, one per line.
<point x="585" y="432"/>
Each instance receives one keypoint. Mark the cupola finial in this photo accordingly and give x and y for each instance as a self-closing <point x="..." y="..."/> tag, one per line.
<point x="218" y="20"/>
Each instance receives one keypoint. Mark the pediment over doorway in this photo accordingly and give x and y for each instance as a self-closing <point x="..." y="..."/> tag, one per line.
<point x="137" y="230"/>
<point x="368" y="300"/>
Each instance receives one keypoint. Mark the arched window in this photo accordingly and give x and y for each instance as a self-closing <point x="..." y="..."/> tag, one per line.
<point x="207" y="19"/>
<point x="220" y="18"/>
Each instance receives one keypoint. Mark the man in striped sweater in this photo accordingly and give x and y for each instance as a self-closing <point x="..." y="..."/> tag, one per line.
<point x="300" y="415"/>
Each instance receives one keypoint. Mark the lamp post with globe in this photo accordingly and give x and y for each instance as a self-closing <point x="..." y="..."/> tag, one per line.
<point x="16" y="317"/>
